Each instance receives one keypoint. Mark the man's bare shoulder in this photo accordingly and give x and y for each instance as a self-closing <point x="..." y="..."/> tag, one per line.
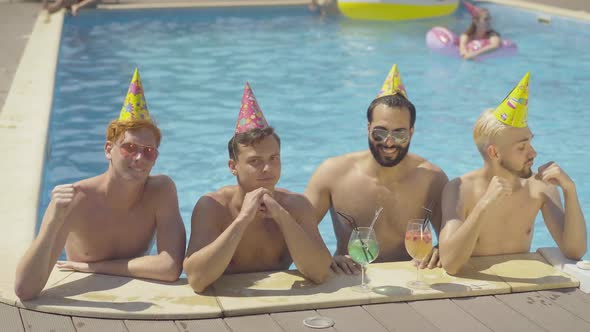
<point x="343" y="163"/>
<point x="217" y="200"/>
<point x="466" y="182"/>
<point x="423" y="163"/>
<point x="427" y="170"/>
<point x="160" y="183"/>
<point x="540" y="188"/>
<point x="290" y="198"/>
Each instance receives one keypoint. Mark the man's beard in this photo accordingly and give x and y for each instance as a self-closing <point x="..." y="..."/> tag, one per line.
<point x="385" y="161"/>
<point x="524" y="172"/>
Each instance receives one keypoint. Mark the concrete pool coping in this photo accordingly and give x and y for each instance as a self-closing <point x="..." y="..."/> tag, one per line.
<point x="23" y="136"/>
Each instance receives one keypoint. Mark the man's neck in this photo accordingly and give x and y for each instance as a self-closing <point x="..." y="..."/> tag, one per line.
<point x="383" y="174"/>
<point x="121" y="193"/>
<point x="490" y="171"/>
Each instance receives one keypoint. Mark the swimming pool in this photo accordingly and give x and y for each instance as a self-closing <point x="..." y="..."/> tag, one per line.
<point x="314" y="78"/>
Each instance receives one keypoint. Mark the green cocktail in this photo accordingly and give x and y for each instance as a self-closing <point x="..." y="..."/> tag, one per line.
<point x="363" y="251"/>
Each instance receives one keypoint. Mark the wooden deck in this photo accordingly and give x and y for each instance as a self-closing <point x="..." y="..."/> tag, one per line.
<point x="552" y="310"/>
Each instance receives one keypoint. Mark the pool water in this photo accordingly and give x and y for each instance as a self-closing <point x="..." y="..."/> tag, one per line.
<point x="314" y="78"/>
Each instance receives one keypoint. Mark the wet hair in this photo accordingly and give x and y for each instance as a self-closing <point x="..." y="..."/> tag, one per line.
<point x="249" y="138"/>
<point x="486" y="128"/>
<point x="117" y="128"/>
<point x="473" y="26"/>
<point x="396" y="100"/>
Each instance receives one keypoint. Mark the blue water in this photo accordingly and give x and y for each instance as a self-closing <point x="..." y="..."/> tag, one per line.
<point x="314" y="78"/>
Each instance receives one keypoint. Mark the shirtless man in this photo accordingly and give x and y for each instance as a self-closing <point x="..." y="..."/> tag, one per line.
<point x="253" y="226"/>
<point x="107" y="222"/>
<point x="385" y="176"/>
<point x="492" y="210"/>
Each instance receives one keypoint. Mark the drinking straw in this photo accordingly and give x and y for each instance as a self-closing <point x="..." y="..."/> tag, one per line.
<point x="364" y="246"/>
<point x="377" y="213"/>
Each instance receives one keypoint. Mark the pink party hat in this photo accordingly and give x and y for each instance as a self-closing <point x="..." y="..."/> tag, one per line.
<point x="471" y="8"/>
<point x="250" y="116"/>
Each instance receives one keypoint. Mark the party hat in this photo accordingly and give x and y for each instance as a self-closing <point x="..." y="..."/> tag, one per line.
<point x="135" y="108"/>
<point x="392" y="84"/>
<point x="513" y="110"/>
<point x="250" y="116"/>
<point x="471" y="8"/>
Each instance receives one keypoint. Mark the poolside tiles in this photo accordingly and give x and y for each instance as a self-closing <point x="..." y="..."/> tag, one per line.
<point x="103" y="296"/>
<point x="269" y="292"/>
<point x="525" y="272"/>
<point x="285" y="291"/>
<point x="389" y="282"/>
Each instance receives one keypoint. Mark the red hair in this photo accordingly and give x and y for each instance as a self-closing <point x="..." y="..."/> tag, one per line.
<point x="117" y="128"/>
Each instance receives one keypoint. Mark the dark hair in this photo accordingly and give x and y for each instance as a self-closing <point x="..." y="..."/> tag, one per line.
<point x="249" y="138"/>
<point x="396" y="100"/>
<point x="471" y="29"/>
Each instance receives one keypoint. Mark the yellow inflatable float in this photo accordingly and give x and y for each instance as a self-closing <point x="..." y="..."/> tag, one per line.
<point x="396" y="9"/>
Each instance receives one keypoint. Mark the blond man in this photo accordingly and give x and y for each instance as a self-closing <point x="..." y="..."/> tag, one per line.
<point x="492" y="210"/>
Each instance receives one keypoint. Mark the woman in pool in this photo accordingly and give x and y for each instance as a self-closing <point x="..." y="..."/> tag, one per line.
<point x="480" y="29"/>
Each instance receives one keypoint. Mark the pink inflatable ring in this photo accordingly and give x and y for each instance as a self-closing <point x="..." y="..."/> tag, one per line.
<point x="444" y="41"/>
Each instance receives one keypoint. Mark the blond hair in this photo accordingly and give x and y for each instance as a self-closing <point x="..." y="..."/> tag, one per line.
<point x="486" y="128"/>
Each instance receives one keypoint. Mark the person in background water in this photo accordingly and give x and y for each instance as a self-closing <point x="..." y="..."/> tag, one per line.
<point x="106" y="223"/>
<point x="324" y="7"/>
<point x="480" y="29"/>
<point x="385" y="175"/>
<point x="492" y="210"/>
<point x="253" y="226"/>
<point x="72" y="5"/>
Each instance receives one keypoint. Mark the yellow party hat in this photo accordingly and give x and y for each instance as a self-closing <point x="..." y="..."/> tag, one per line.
<point x="393" y="84"/>
<point x="513" y="110"/>
<point x="135" y="108"/>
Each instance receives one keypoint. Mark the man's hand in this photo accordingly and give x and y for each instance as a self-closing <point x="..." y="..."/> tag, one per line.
<point x="431" y="261"/>
<point x="74" y="266"/>
<point x="253" y="204"/>
<point x="498" y="189"/>
<point x="552" y="173"/>
<point x="345" y="264"/>
<point x="272" y="208"/>
<point x="61" y="198"/>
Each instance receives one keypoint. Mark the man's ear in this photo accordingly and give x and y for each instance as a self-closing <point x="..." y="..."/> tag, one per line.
<point x="108" y="147"/>
<point x="232" y="166"/>
<point x="493" y="152"/>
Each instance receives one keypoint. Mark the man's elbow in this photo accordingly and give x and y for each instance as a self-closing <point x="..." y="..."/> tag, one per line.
<point x="24" y="293"/>
<point x="173" y="272"/>
<point x="320" y="277"/>
<point x="197" y="283"/>
<point x="450" y="266"/>
<point x="575" y="253"/>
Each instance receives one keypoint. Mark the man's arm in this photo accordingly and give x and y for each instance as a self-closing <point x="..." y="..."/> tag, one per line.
<point x="210" y="250"/>
<point x="35" y="266"/>
<point x="568" y="228"/>
<point x="170" y="238"/>
<point x="300" y="230"/>
<point x="318" y="190"/>
<point x="459" y="234"/>
<point x="435" y="197"/>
